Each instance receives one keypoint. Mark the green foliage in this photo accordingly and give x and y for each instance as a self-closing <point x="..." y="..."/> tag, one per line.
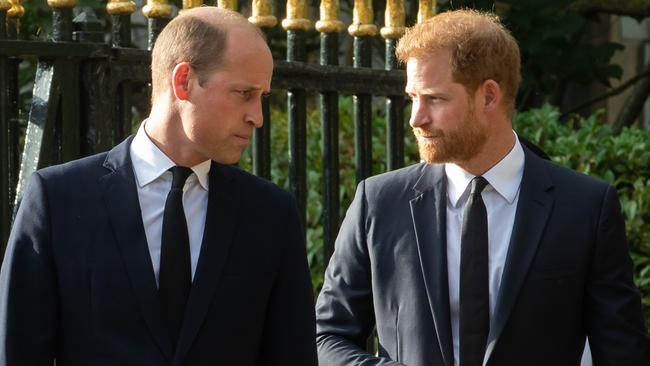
<point x="623" y="160"/>
<point x="280" y="165"/>
<point x="556" y="47"/>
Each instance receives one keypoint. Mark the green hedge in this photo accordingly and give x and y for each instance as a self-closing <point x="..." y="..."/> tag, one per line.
<point x="585" y="145"/>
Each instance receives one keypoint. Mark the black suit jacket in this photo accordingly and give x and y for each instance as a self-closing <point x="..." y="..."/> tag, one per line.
<point x="77" y="282"/>
<point x="567" y="275"/>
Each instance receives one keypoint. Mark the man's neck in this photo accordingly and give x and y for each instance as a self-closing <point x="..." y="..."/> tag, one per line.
<point x="164" y="128"/>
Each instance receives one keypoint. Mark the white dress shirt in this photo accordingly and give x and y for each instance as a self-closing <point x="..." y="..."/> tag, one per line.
<point x="154" y="181"/>
<point x="500" y="198"/>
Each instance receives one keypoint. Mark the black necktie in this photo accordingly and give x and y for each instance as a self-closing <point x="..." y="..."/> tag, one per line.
<point x="474" y="290"/>
<point x="175" y="269"/>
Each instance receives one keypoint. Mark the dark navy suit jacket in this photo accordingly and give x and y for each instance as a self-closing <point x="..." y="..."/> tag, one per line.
<point x="567" y="275"/>
<point x="77" y="283"/>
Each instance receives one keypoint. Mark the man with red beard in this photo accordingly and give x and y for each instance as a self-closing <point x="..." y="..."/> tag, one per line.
<point x="483" y="254"/>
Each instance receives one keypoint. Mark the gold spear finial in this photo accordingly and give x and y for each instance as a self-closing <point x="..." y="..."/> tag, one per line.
<point x="119" y="7"/>
<point x="157" y="9"/>
<point x="426" y="10"/>
<point x="189" y="4"/>
<point x="296" y="16"/>
<point x="16" y="10"/>
<point x="395" y="19"/>
<point x="62" y="4"/>
<point x="329" y="17"/>
<point x="5" y="5"/>
<point x="363" y="19"/>
<point x="263" y="14"/>
<point x="227" y="4"/>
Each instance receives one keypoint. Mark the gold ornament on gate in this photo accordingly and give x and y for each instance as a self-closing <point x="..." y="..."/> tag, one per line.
<point x="156" y="9"/>
<point x="189" y="4"/>
<point x="120" y="7"/>
<point x="5" y="5"/>
<point x="296" y="16"/>
<point x="426" y="10"/>
<point x="394" y="19"/>
<point x="16" y="10"/>
<point x="263" y="14"/>
<point x="329" y="17"/>
<point x="62" y="4"/>
<point x="227" y="4"/>
<point x="363" y="19"/>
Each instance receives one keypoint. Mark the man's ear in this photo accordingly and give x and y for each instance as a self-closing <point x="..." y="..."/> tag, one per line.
<point x="492" y="95"/>
<point x="181" y="79"/>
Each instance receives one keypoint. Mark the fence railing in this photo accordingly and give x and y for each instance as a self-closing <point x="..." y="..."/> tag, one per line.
<point x="82" y="95"/>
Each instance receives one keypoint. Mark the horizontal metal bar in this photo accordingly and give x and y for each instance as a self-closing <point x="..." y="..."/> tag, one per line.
<point x="345" y="80"/>
<point x="45" y="49"/>
<point x="286" y="75"/>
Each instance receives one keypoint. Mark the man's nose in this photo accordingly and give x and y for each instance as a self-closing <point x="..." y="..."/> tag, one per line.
<point x="255" y="116"/>
<point x="419" y="114"/>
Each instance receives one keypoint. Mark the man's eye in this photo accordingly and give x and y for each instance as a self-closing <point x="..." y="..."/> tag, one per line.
<point x="244" y="93"/>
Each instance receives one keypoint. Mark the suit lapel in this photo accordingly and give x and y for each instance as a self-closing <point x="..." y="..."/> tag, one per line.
<point x="429" y="212"/>
<point x="533" y="210"/>
<point x="123" y="207"/>
<point x="221" y="220"/>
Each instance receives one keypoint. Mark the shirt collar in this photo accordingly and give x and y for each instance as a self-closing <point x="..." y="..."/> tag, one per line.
<point x="149" y="162"/>
<point x="504" y="177"/>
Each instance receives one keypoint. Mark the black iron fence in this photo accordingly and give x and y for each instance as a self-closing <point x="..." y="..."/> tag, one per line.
<point x="83" y="86"/>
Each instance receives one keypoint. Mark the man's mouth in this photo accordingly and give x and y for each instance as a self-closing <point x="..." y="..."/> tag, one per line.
<point x="244" y="138"/>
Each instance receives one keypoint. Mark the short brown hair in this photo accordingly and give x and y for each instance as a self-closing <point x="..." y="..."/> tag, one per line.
<point x="198" y="40"/>
<point x="481" y="49"/>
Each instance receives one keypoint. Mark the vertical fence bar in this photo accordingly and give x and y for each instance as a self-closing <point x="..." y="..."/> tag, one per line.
<point x="363" y="30"/>
<point x="12" y="111"/>
<point x="62" y="19"/>
<point x="157" y="13"/>
<point x="263" y="17"/>
<point x="120" y="11"/>
<point x="296" y="25"/>
<point x="5" y="152"/>
<point x="67" y="143"/>
<point x="13" y="19"/>
<point x="426" y="9"/>
<point x="96" y="127"/>
<point x="329" y="26"/>
<point x="394" y="29"/>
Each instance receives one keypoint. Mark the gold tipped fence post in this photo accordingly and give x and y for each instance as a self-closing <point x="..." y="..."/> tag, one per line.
<point x="227" y="4"/>
<point x="427" y="9"/>
<point x="189" y="4"/>
<point x="363" y="29"/>
<point x="157" y="13"/>
<point x="394" y="20"/>
<point x="15" y="10"/>
<point x="263" y="18"/>
<point x="394" y="28"/>
<point x="263" y="14"/>
<point x="296" y="24"/>
<point x="120" y="11"/>
<point x="120" y="7"/>
<point x="62" y="19"/>
<point x="329" y="17"/>
<point x="329" y="26"/>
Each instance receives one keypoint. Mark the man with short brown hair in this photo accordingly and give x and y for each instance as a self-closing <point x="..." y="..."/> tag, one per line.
<point x="484" y="253"/>
<point x="159" y="252"/>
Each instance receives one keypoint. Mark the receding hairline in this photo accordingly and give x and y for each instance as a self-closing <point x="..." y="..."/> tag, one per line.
<point x="224" y="19"/>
